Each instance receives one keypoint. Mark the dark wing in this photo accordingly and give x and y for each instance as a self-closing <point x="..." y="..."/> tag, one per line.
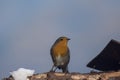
<point x="68" y="55"/>
<point x="52" y="55"/>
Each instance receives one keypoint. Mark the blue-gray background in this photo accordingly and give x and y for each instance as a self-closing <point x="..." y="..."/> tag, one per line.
<point x="28" y="28"/>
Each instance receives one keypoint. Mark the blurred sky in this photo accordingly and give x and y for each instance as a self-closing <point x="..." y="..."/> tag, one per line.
<point x="28" y="28"/>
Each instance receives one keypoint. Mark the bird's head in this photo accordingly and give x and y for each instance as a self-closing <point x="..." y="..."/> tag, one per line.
<point x="62" y="40"/>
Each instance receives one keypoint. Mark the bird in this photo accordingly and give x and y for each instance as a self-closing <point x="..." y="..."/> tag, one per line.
<point x="60" y="54"/>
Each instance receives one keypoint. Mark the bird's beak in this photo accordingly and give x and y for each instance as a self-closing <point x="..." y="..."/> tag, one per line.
<point x="68" y="38"/>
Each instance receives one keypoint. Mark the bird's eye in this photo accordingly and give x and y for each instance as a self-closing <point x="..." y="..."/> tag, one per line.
<point x="61" y="39"/>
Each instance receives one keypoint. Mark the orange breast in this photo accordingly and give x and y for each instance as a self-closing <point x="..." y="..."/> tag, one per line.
<point x="60" y="50"/>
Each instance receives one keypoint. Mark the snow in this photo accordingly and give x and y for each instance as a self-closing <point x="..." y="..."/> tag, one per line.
<point x="22" y="73"/>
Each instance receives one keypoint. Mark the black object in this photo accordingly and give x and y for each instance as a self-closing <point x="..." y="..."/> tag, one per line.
<point x="108" y="59"/>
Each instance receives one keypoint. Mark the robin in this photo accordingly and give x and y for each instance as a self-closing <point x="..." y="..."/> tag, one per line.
<point x="60" y="54"/>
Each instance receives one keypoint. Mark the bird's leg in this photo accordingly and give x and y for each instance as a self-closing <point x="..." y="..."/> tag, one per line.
<point x="55" y="69"/>
<point x="65" y="70"/>
<point x="52" y="69"/>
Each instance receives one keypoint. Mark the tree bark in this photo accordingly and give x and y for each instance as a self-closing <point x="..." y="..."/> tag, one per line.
<point x="113" y="75"/>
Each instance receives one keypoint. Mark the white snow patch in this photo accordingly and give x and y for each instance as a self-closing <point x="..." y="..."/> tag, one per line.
<point x="22" y="73"/>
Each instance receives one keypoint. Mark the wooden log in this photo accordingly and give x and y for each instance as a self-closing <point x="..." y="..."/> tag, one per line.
<point x="77" y="76"/>
<point x="113" y="75"/>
